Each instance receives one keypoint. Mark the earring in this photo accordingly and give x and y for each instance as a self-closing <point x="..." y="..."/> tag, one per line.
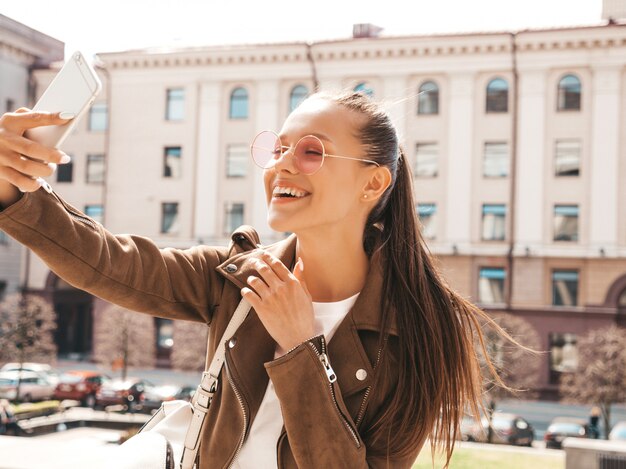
<point x="365" y="196"/>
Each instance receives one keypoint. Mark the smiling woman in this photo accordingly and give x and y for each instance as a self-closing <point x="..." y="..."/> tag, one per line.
<point x="357" y="351"/>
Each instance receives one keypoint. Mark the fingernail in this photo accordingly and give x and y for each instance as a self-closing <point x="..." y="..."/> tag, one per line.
<point x="67" y="115"/>
<point x="41" y="182"/>
<point x="66" y="158"/>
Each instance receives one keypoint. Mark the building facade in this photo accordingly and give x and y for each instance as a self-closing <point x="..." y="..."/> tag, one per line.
<point x="22" y="50"/>
<point x="515" y="140"/>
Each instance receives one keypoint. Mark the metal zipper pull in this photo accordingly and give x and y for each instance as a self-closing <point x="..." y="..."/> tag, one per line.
<point x="332" y="377"/>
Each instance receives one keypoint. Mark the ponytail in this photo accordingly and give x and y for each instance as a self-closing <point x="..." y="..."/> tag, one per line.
<point x="437" y="363"/>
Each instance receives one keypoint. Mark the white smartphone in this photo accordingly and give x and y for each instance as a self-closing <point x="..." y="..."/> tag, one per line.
<point x="74" y="90"/>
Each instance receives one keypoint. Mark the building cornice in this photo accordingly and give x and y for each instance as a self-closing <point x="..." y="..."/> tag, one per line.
<point x="18" y="41"/>
<point x="422" y="46"/>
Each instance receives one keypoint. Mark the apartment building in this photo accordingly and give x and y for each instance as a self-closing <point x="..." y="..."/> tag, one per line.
<point x="515" y="140"/>
<point x="22" y="50"/>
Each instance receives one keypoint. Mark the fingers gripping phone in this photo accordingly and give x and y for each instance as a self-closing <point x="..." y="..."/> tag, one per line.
<point x="74" y="90"/>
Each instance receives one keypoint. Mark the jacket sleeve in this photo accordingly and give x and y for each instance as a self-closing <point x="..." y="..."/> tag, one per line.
<point x="320" y="430"/>
<point x="127" y="270"/>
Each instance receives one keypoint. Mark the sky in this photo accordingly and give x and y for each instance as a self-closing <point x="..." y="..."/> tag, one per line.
<point x="113" y="25"/>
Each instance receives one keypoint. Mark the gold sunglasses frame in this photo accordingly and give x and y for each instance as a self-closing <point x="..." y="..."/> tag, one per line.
<point x="284" y="148"/>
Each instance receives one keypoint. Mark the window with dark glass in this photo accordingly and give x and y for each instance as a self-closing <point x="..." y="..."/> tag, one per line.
<point x="428" y="98"/>
<point x="4" y="238"/>
<point x="233" y="217"/>
<point x="491" y="285"/>
<point x="172" y="165"/>
<point x="95" y="211"/>
<point x="494" y="222"/>
<point x="297" y="95"/>
<point x="175" y="106"/>
<point x="364" y="88"/>
<point x="169" y="218"/>
<point x="3" y="289"/>
<point x="239" y="104"/>
<point x="497" y="95"/>
<point x="563" y="354"/>
<point x="65" y="172"/>
<point x="569" y="92"/>
<point x="566" y="223"/>
<point x="95" y="169"/>
<point x="426" y="160"/>
<point x="237" y="157"/>
<point x="565" y="288"/>
<point x="98" y="117"/>
<point x="567" y="158"/>
<point x="164" y="333"/>
<point x="10" y="105"/>
<point x="496" y="159"/>
<point x="426" y="213"/>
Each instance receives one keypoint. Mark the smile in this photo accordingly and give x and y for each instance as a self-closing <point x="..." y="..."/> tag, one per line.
<point x="281" y="192"/>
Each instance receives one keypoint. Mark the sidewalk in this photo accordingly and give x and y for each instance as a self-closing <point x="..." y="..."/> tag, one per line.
<point x="79" y="448"/>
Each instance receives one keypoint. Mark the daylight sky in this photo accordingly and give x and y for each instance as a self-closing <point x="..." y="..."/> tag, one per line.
<point x="113" y="25"/>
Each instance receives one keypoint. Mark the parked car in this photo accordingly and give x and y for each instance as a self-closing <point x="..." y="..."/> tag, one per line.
<point x="618" y="433"/>
<point x="41" y="368"/>
<point x="507" y="429"/>
<point x="155" y="396"/>
<point x="186" y="393"/>
<point x="80" y="386"/>
<point x="128" y="392"/>
<point x="564" y="427"/>
<point x="33" y="386"/>
<point x="467" y="429"/>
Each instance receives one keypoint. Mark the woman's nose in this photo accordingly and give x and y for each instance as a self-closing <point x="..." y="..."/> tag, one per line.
<point x="286" y="161"/>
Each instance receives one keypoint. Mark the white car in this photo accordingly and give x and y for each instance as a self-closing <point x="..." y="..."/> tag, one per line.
<point x="34" y="386"/>
<point x="42" y="369"/>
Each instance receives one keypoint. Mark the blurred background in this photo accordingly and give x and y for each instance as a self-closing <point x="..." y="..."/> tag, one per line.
<point x="512" y="115"/>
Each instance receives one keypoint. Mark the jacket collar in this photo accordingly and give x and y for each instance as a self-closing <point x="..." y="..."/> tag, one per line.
<point x="366" y="313"/>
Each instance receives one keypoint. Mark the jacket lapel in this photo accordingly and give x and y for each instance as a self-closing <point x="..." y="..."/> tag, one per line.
<point x="348" y="356"/>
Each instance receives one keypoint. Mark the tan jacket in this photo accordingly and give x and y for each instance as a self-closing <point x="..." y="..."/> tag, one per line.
<point x="325" y="423"/>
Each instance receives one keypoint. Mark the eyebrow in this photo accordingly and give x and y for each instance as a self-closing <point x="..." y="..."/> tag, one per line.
<point x="315" y="134"/>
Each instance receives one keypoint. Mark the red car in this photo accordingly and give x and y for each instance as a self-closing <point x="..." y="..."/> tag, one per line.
<point x="80" y="386"/>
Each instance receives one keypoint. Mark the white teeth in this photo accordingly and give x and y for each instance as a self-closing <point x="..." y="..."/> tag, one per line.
<point x="278" y="190"/>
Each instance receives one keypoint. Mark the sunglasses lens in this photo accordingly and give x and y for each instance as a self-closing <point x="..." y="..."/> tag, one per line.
<point x="265" y="149"/>
<point x="309" y="153"/>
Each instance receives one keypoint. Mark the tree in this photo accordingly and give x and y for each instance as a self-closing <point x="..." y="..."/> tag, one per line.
<point x="27" y="325"/>
<point x="125" y="337"/>
<point x="190" y="343"/>
<point x="601" y="375"/>
<point x="517" y="367"/>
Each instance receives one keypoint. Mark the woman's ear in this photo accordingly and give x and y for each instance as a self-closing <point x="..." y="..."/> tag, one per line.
<point x="377" y="183"/>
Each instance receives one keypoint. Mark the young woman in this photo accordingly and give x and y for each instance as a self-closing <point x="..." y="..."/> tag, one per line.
<point x="356" y="350"/>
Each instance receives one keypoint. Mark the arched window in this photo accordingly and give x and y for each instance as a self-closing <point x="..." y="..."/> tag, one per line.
<point x="428" y="98"/>
<point x="239" y="104"/>
<point x="497" y="96"/>
<point x="364" y="88"/>
<point x="621" y="301"/>
<point x="298" y="94"/>
<point x="569" y="93"/>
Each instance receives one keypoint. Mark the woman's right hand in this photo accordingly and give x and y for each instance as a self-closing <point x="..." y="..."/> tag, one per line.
<point x="23" y="161"/>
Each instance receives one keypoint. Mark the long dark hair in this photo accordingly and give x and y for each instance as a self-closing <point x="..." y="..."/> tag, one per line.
<point x="438" y="363"/>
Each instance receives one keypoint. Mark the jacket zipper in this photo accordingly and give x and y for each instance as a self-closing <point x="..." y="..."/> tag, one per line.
<point x="332" y="377"/>
<point x="361" y="413"/>
<point x="243" y="410"/>
<point x="74" y="215"/>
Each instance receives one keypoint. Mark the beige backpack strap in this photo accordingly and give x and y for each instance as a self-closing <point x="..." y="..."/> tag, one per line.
<point x="204" y="394"/>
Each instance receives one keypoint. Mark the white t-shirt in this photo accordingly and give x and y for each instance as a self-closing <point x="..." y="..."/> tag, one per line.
<point x="259" y="449"/>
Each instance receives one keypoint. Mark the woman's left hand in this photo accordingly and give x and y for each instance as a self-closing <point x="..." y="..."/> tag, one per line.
<point x="282" y="301"/>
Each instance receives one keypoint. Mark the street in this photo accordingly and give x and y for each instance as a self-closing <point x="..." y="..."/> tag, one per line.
<point x="538" y="413"/>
